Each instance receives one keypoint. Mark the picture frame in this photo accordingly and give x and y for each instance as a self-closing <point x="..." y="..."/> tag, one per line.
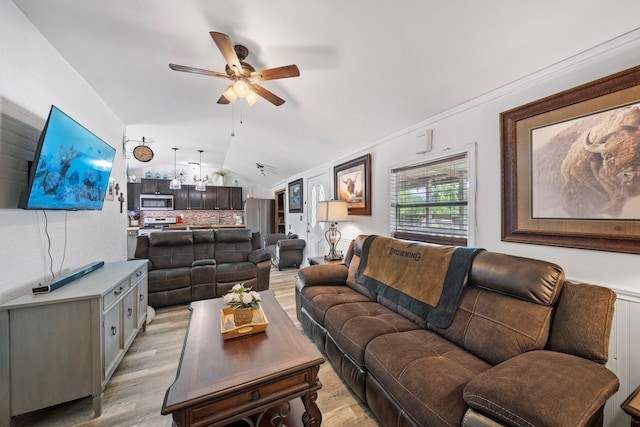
<point x="548" y="149"/>
<point x="352" y="184"/>
<point x="296" y="196"/>
<point x="111" y="192"/>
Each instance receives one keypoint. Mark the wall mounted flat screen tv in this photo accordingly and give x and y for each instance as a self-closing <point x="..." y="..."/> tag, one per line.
<point x="71" y="167"/>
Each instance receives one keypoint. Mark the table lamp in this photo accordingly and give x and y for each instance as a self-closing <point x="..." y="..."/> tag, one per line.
<point x="332" y="211"/>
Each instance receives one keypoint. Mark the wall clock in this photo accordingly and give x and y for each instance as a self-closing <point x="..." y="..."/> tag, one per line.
<point x="143" y="153"/>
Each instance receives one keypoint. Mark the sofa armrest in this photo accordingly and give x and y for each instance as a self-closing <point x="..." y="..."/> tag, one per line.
<point x="542" y="388"/>
<point x="326" y="275"/>
<point x="291" y="244"/>
<point x="201" y="262"/>
<point x="259" y="255"/>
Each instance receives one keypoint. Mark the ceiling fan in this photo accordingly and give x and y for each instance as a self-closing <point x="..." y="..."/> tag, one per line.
<point x="242" y="74"/>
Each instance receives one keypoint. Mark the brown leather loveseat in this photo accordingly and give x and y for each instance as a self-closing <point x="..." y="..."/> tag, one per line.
<point x="187" y="266"/>
<point x="523" y="347"/>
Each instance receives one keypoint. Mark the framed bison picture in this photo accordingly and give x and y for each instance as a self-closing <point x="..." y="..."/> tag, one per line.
<point x="352" y="184"/>
<point x="571" y="167"/>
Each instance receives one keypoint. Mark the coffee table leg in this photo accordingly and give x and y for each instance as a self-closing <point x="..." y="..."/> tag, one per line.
<point x="312" y="415"/>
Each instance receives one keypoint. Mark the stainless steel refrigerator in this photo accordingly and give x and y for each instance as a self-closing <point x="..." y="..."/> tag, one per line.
<point x="259" y="215"/>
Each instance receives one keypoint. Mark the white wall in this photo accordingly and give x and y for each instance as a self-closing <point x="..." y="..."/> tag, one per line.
<point x="33" y="76"/>
<point x="478" y="121"/>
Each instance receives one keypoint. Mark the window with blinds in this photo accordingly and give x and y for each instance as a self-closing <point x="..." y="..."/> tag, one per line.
<point x="430" y="201"/>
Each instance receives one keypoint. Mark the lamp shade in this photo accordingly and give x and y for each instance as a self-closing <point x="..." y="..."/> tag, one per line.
<point x="333" y="211"/>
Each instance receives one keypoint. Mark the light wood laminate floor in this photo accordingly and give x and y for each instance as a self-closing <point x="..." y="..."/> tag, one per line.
<point x="135" y="393"/>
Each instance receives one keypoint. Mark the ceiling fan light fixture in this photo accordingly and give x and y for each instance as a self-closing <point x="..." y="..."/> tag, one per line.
<point x="252" y="98"/>
<point x="241" y="88"/>
<point x="230" y="94"/>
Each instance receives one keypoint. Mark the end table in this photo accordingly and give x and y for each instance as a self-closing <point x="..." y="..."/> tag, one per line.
<point x="319" y="260"/>
<point x="632" y="407"/>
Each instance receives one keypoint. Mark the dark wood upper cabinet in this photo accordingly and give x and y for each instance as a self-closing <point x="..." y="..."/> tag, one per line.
<point x="214" y="198"/>
<point x="155" y="186"/>
<point x="217" y="198"/>
<point x="196" y="198"/>
<point x="224" y="198"/>
<point x="181" y="198"/>
<point x="236" y="198"/>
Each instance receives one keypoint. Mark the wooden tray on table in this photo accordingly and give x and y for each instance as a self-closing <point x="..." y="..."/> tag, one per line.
<point x="229" y="330"/>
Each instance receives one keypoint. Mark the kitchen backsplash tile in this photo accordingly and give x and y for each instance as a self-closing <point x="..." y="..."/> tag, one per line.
<point x="204" y="217"/>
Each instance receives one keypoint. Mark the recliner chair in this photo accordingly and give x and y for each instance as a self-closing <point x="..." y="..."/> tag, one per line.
<point x="286" y="250"/>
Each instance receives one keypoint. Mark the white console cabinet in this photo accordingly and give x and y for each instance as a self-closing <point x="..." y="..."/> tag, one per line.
<point x="66" y="344"/>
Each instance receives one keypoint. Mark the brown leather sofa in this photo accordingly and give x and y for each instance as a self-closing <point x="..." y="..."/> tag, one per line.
<point x="186" y="266"/>
<point x="525" y="347"/>
<point x="286" y="249"/>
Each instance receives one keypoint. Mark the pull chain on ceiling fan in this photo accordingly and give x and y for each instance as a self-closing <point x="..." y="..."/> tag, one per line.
<point x="243" y="75"/>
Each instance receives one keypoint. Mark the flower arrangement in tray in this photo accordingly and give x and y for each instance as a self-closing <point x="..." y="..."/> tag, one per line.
<point x="243" y="300"/>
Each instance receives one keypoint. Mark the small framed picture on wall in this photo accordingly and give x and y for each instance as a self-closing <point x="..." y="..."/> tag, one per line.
<point x="295" y="196"/>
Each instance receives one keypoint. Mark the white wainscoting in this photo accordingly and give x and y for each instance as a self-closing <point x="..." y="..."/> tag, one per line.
<point x="624" y="355"/>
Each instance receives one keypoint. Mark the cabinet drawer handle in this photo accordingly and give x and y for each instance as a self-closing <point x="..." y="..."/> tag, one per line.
<point x="141" y="297"/>
<point x="129" y="312"/>
<point x="139" y="273"/>
<point x="117" y="291"/>
<point x="255" y="395"/>
<point x="114" y="330"/>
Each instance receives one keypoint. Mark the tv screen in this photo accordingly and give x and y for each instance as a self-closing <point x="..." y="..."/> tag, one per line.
<point x="71" y="167"/>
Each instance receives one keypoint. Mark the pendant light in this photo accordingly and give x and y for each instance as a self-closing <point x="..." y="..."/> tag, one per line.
<point x="175" y="183"/>
<point x="200" y="185"/>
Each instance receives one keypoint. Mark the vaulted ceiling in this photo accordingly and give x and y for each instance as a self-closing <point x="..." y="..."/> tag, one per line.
<point x="368" y="68"/>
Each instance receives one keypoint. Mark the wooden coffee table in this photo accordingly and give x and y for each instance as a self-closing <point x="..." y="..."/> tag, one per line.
<point x="256" y="378"/>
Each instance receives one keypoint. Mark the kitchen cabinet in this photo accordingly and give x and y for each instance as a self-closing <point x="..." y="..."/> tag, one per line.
<point x="66" y="344"/>
<point x="213" y="198"/>
<point x="181" y="198"/>
<point x="155" y="186"/>
<point x="223" y="198"/>
<point x="196" y="198"/>
<point x="218" y="198"/>
<point x="188" y="198"/>
<point x="236" y="198"/>
<point x="133" y="196"/>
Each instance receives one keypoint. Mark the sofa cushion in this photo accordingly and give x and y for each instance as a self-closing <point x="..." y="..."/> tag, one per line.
<point x="425" y="373"/>
<point x="174" y="278"/>
<point x="316" y="300"/>
<point x="236" y="272"/>
<point x="203" y="244"/>
<point x="582" y="322"/>
<point x="164" y="257"/>
<point x="554" y="396"/>
<point x="172" y="238"/>
<point x="529" y="279"/>
<point x="233" y="245"/>
<point x="497" y="327"/>
<point x="353" y="325"/>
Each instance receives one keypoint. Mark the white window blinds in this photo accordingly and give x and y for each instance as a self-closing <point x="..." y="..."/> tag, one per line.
<point x="430" y="201"/>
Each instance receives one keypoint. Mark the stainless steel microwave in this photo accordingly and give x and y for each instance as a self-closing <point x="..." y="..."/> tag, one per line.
<point x="156" y="202"/>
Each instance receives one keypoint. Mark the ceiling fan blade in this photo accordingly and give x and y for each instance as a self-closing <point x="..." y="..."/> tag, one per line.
<point x="277" y="73"/>
<point x="194" y="70"/>
<point x="269" y="96"/>
<point x="223" y="100"/>
<point x="228" y="52"/>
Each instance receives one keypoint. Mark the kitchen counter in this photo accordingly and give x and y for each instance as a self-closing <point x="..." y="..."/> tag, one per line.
<point x="203" y="226"/>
